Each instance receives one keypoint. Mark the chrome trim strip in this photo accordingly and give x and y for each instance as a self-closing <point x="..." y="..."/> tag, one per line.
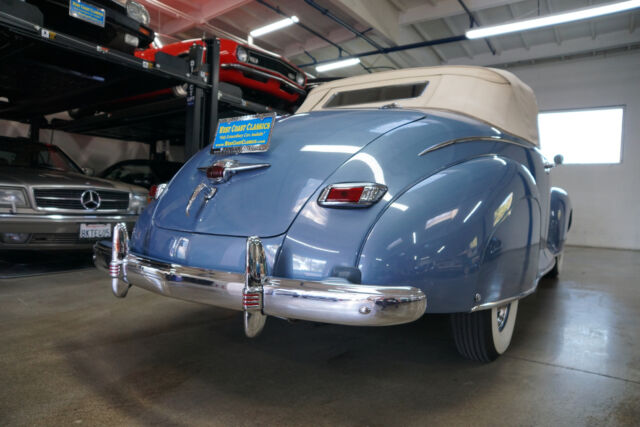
<point x="470" y="138"/>
<point x="74" y="199"/>
<point x="68" y="218"/>
<point x="250" y="70"/>
<point x="323" y="301"/>
<point x="504" y="301"/>
<point x="80" y="211"/>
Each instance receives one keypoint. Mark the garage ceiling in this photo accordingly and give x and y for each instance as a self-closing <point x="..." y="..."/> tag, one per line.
<point x="398" y="22"/>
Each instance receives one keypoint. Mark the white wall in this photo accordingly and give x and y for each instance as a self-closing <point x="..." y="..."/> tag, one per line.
<point x="606" y="198"/>
<point x="86" y="151"/>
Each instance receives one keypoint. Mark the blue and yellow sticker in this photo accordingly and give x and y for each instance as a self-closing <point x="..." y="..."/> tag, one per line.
<point x="244" y="134"/>
<point x="87" y="12"/>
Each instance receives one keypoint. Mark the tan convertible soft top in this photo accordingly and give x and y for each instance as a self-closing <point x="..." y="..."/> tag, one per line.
<point x="494" y="96"/>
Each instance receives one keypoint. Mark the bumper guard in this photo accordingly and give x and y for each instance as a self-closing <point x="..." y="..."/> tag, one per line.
<point x="255" y="293"/>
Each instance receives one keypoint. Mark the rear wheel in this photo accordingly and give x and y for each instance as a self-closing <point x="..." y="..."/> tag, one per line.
<point x="557" y="267"/>
<point x="484" y="335"/>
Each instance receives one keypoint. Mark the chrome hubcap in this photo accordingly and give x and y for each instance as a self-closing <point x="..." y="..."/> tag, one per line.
<point x="502" y="314"/>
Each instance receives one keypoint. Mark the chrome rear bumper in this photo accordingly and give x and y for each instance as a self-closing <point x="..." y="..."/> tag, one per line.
<point x="259" y="295"/>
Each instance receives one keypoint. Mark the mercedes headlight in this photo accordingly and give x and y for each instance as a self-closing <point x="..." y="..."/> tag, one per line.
<point x="241" y="54"/>
<point x="137" y="203"/>
<point x="300" y="79"/>
<point x="138" y="12"/>
<point x="13" y="198"/>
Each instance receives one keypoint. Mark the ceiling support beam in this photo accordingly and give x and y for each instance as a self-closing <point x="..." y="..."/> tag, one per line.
<point x="311" y="44"/>
<point x="383" y="16"/>
<point x="556" y="32"/>
<point x="515" y="16"/>
<point x="605" y="41"/>
<point x="453" y="29"/>
<point x="492" y="42"/>
<point x="592" y="25"/>
<point x="207" y="12"/>
<point x="394" y="49"/>
<point x="443" y="9"/>
<point x="425" y="36"/>
<point x="277" y="10"/>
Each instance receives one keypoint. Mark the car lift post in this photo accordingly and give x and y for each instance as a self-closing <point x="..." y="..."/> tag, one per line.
<point x="202" y="104"/>
<point x="213" y="67"/>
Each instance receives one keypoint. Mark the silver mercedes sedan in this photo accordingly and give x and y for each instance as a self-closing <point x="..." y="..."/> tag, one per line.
<point x="48" y="202"/>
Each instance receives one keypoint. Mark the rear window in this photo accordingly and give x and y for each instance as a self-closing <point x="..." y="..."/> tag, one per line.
<point x="376" y="94"/>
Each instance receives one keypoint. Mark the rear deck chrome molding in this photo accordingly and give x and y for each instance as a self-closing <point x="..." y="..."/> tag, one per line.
<point x="467" y="139"/>
<point x="259" y="295"/>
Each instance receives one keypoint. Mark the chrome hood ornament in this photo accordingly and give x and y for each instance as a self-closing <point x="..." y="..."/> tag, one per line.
<point x="218" y="172"/>
<point x="223" y="170"/>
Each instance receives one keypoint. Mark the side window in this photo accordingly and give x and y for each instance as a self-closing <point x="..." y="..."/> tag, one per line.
<point x="376" y="94"/>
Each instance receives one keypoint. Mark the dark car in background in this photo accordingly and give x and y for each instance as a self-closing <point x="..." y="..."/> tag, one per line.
<point x="144" y="173"/>
<point x="47" y="202"/>
<point x="115" y="24"/>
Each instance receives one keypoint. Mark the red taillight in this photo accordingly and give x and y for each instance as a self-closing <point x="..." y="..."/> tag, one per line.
<point x="156" y="191"/>
<point x="351" y="195"/>
<point x="356" y="195"/>
<point x="215" y="172"/>
<point x="152" y="193"/>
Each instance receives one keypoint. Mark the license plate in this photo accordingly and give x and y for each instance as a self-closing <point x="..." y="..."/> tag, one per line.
<point x="95" y="231"/>
<point x="87" y="12"/>
<point x="246" y="134"/>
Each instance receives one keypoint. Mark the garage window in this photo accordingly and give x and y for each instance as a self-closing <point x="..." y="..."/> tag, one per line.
<point x="376" y="94"/>
<point x="585" y="136"/>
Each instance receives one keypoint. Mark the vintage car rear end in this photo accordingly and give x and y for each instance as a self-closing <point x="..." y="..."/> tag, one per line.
<point x="384" y="197"/>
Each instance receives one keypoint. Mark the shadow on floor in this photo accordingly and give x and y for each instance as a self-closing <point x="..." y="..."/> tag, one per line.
<point x="32" y="263"/>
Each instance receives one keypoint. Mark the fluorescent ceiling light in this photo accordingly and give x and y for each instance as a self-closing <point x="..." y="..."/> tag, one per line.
<point x="338" y="64"/>
<point x="560" y="18"/>
<point x="274" y="27"/>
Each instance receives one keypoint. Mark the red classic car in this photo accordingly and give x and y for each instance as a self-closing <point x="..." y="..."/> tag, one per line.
<point x="263" y="77"/>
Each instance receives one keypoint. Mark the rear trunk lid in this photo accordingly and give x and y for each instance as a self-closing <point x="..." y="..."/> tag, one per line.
<point x="304" y="150"/>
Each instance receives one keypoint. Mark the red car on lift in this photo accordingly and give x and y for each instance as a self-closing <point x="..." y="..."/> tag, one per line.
<point x="263" y="77"/>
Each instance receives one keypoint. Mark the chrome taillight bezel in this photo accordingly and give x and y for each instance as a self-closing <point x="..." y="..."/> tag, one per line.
<point x="371" y="194"/>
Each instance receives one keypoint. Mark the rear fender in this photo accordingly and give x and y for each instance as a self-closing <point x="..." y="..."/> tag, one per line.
<point x="471" y="229"/>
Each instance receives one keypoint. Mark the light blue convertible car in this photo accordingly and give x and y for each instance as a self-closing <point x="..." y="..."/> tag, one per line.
<point x="385" y="197"/>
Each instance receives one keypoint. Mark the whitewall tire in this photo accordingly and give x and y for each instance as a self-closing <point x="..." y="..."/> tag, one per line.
<point x="557" y="267"/>
<point x="484" y="335"/>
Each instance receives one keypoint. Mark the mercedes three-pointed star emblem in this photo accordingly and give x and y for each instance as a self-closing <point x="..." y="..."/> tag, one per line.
<point x="90" y="200"/>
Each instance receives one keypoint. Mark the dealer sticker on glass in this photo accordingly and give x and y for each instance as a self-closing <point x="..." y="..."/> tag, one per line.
<point x="244" y="134"/>
<point x="87" y="12"/>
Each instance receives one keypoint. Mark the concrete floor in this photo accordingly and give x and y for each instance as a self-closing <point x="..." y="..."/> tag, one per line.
<point x="70" y="353"/>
